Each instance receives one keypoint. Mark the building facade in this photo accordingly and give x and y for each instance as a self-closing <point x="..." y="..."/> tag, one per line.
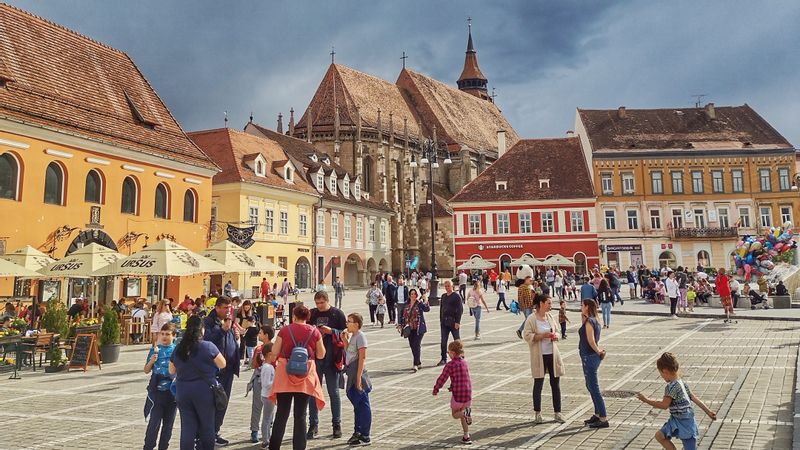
<point x="351" y="230"/>
<point x="374" y="129"/>
<point x="536" y="200"/>
<point x="680" y="186"/>
<point x="89" y="153"/>
<point x="260" y="187"/>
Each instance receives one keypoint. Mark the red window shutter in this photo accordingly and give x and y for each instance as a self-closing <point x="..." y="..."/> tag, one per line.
<point x="514" y="219"/>
<point x="586" y="220"/>
<point x="536" y="219"/>
<point x="568" y="221"/>
<point x="483" y="224"/>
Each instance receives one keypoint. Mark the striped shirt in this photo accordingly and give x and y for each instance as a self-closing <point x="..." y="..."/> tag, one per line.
<point x="681" y="403"/>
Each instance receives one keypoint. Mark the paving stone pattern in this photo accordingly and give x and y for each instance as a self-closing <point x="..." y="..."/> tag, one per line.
<point x="745" y="371"/>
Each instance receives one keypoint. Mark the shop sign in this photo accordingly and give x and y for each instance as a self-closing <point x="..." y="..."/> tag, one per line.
<point x="624" y="248"/>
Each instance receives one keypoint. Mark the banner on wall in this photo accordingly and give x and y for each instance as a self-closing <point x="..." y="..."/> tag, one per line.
<point x="243" y="237"/>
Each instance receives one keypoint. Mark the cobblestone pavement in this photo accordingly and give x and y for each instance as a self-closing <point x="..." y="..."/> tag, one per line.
<point x="745" y="371"/>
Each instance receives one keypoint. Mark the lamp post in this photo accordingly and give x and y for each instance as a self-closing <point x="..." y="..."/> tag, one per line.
<point x="429" y="154"/>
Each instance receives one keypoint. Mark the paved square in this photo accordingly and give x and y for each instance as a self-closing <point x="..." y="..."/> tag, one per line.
<point x="745" y="371"/>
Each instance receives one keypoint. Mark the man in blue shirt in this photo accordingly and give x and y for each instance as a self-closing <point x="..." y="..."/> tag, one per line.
<point x="588" y="290"/>
<point x="220" y="332"/>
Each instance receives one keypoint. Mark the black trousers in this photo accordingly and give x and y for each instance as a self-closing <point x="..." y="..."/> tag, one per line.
<point x="555" y="388"/>
<point x="446" y="332"/>
<point x="563" y="329"/>
<point x="415" y="342"/>
<point x="673" y="305"/>
<point x="372" y="309"/>
<point x="390" y="305"/>
<point x="285" y="400"/>
<point x="462" y="289"/>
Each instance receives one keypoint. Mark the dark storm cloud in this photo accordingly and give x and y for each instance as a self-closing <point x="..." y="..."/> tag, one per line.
<point x="545" y="58"/>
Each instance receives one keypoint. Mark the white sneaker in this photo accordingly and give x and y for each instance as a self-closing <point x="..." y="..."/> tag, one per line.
<point x="674" y="316"/>
<point x="538" y="418"/>
<point x="559" y="418"/>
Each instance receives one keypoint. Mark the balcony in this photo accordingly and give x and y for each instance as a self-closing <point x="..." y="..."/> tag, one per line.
<point x="705" y="233"/>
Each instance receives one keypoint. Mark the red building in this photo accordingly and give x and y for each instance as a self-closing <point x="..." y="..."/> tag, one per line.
<point x="536" y="199"/>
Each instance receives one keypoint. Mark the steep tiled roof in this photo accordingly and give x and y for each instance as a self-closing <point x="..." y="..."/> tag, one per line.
<point x="353" y="89"/>
<point x="678" y="128"/>
<point x="230" y="148"/>
<point x="68" y="82"/>
<point x="461" y="118"/>
<point x="560" y="161"/>
<point x="299" y="152"/>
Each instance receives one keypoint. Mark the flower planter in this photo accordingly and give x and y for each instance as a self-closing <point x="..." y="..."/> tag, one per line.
<point x="55" y="369"/>
<point x="109" y="353"/>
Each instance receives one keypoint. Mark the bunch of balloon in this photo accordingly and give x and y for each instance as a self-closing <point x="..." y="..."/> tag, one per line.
<point x="755" y="255"/>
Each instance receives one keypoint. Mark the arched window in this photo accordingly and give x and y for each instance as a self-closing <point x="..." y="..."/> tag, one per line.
<point x="9" y="176"/>
<point x="130" y="196"/>
<point x="94" y="187"/>
<point x="54" y="184"/>
<point x="189" y="206"/>
<point x="366" y="171"/>
<point x="162" y="201"/>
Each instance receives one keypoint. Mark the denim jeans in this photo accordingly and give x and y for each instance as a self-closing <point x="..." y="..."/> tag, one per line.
<point x="361" y="409"/>
<point x="527" y="312"/>
<point x="249" y="352"/>
<point x="332" y="385"/>
<point x="162" y="417"/>
<point x="590" y="365"/>
<point x="615" y="295"/>
<point x="476" y="312"/>
<point x="446" y="332"/>
<point x="606" y="307"/>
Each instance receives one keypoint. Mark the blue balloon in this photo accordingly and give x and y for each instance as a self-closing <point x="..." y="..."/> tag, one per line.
<point x="750" y="259"/>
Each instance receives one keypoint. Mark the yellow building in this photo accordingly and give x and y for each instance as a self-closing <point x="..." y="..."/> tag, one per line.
<point x="89" y="153"/>
<point x="680" y="186"/>
<point x="259" y="191"/>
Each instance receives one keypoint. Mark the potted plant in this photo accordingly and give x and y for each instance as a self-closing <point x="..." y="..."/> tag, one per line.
<point x="57" y="360"/>
<point x="55" y="319"/>
<point x="109" y="337"/>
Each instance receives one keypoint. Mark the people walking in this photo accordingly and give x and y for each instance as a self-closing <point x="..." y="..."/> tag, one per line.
<point x="541" y="337"/>
<point x="411" y="325"/>
<point x="462" y="284"/>
<point x="673" y="292"/>
<point x="591" y="356"/>
<point x="678" y="399"/>
<point x="162" y="316"/>
<point x="460" y="386"/>
<point x="525" y="300"/>
<point x="373" y="295"/>
<point x="265" y="335"/>
<point x="330" y="321"/>
<point x="286" y="289"/>
<point x="195" y="363"/>
<point x="476" y="298"/>
<point x="219" y="330"/>
<point x="451" y="310"/>
<point x="264" y="290"/>
<point x="724" y="291"/>
<point x="606" y="297"/>
<point x="295" y="389"/>
<point x="265" y="379"/>
<point x="338" y="293"/>
<point x="683" y="288"/>
<point x="402" y="298"/>
<point x="502" y="287"/>
<point x="588" y="290"/>
<point x="358" y="384"/>
<point x="390" y="293"/>
<point x="562" y="318"/>
<point x="160" y="405"/>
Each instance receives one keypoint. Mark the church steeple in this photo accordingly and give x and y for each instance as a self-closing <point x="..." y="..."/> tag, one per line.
<point x="472" y="80"/>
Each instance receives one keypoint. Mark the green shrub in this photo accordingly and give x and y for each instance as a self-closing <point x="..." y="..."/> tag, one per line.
<point x="109" y="329"/>
<point x="55" y="318"/>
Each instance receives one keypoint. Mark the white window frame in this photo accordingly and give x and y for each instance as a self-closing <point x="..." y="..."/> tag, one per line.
<point x="677" y="218"/>
<point x="632" y="219"/>
<point x="765" y="180"/>
<point x="254" y="216"/>
<point x="284" y="222"/>
<point x="700" y="216"/>
<point x="576" y="220"/>
<point x="346" y="188"/>
<point x="744" y="216"/>
<point x="786" y="214"/>
<point x="359" y="229"/>
<point x="655" y="219"/>
<point x="697" y="182"/>
<point x="723" y="217"/>
<point x="784" y="181"/>
<point x="332" y="183"/>
<point x="320" y="181"/>
<point x="474" y="223"/>
<point x="503" y="223"/>
<point x="737" y="180"/>
<point x="676" y="179"/>
<point x="357" y="188"/>
<point x="371" y="232"/>
<point x="347" y="225"/>
<point x="628" y="183"/>
<point x="525" y="222"/>
<point x="334" y="225"/>
<point x="321" y="224"/>
<point x="717" y="181"/>
<point x="657" y="183"/>
<point x="548" y="222"/>
<point x="765" y="216"/>
<point x="269" y="220"/>
<point x="607" y="183"/>
<point x="303" y="223"/>
<point x="610" y="219"/>
<point x="384" y="238"/>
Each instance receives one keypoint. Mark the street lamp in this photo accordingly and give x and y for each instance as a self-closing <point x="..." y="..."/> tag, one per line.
<point x="429" y="152"/>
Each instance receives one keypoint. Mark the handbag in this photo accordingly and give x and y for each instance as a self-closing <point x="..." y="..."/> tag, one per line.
<point x="406" y="332"/>
<point x="220" y="396"/>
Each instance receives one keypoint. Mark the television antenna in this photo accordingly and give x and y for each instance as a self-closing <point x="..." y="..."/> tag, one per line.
<point x="698" y="99"/>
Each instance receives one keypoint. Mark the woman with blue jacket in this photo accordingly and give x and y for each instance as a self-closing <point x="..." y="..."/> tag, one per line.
<point x="413" y="318"/>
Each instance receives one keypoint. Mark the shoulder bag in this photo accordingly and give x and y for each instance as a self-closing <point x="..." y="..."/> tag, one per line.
<point x="220" y="396"/>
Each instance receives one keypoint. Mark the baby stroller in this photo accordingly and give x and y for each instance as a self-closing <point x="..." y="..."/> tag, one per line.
<point x="758" y="299"/>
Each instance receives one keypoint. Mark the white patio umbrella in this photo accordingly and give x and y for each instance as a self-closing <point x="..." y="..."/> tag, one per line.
<point x="10" y="269"/>
<point x="29" y="258"/>
<point x="83" y="262"/>
<point x="526" y="261"/>
<point x="558" y="260"/>
<point x="164" y="258"/>
<point x="237" y="259"/>
<point x="476" y="263"/>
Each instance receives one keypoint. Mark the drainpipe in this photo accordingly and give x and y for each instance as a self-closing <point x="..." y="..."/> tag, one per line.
<point x="314" y="244"/>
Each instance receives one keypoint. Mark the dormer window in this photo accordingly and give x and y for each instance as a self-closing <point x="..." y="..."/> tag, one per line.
<point x="357" y="188"/>
<point x="327" y="161"/>
<point x="333" y="183"/>
<point x="313" y="157"/>
<point x="544" y="183"/>
<point x="346" y="188"/>
<point x="257" y="163"/>
<point x="501" y="185"/>
<point x="259" y="168"/>
<point x="288" y="174"/>
<point x="320" y="181"/>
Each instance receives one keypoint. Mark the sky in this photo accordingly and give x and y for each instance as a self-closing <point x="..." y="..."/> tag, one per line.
<point x="543" y="58"/>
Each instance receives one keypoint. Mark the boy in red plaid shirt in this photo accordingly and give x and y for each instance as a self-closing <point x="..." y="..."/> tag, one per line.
<point x="460" y="385"/>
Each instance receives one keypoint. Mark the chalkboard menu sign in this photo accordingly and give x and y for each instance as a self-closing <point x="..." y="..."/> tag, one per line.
<point x="84" y="352"/>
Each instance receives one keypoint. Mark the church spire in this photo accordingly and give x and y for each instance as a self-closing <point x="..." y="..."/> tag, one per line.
<point x="472" y="80"/>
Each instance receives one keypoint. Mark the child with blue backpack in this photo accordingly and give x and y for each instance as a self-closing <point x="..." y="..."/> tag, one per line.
<point x="160" y="404"/>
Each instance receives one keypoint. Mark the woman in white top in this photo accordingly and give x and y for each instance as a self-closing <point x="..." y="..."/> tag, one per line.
<point x="540" y="334"/>
<point x="160" y="318"/>
<point x="502" y="287"/>
<point x="558" y="285"/>
<point x="673" y="292"/>
<point x="474" y="300"/>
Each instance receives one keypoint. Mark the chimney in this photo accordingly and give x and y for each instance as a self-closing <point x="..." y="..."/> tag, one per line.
<point x="710" y="112"/>
<point x="280" y="123"/>
<point x="621" y="113"/>
<point x="501" y="142"/>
